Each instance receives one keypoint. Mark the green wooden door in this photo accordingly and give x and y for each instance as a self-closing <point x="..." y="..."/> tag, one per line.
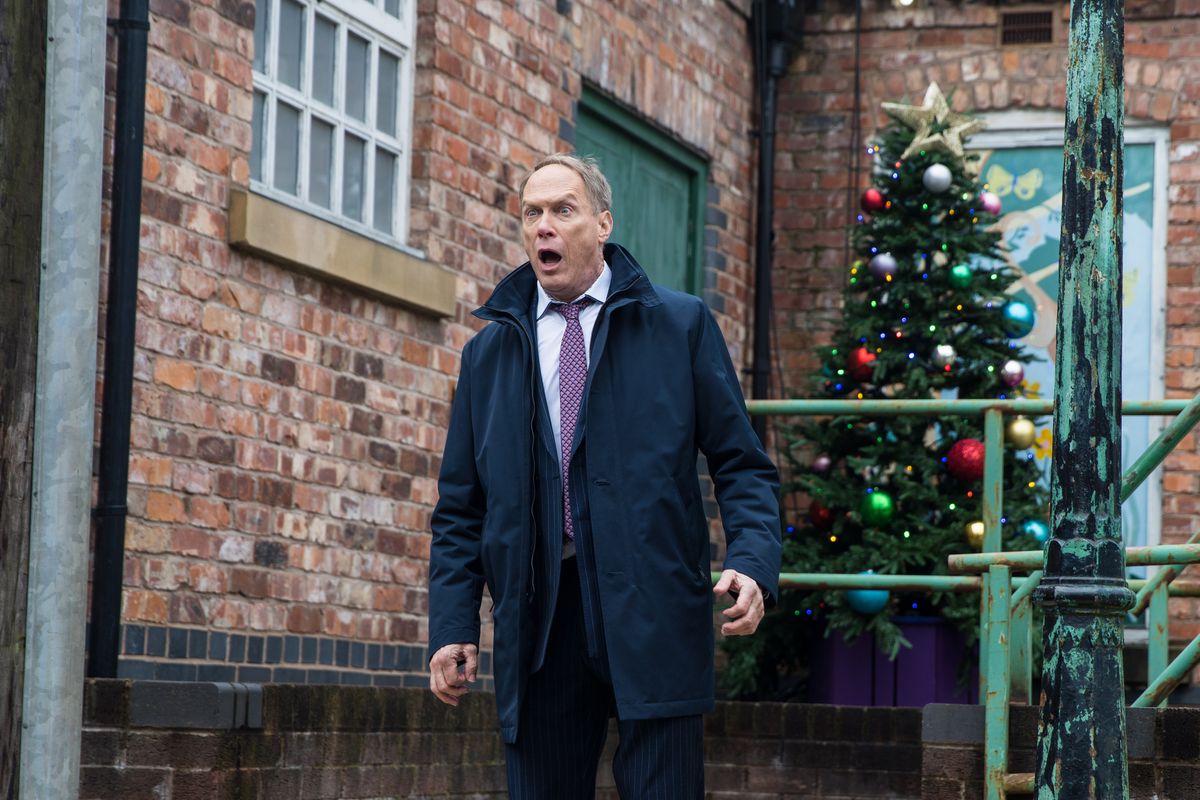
<point x="658" y="191"/>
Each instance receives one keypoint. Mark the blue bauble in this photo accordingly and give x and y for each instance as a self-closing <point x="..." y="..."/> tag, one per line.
<point x="868" y="601"/>
<point x="1019" y="319"/>
<point x="1037" y="529"/>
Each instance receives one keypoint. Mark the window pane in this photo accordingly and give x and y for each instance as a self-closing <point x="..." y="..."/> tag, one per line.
<point x="392" y="7"/>
<point x="385" y="111"/>
<point x="258" y="142"/>
<point x="385" y="187"/>
<point x="354" y="153"/>
<point x="320" y="163"/>
<point x="287" y="147"/>
<point x="291" y="42"/>
<point x="324" y="59"/>
<point x="356" y="76"/>
<point x="262" y="19"/>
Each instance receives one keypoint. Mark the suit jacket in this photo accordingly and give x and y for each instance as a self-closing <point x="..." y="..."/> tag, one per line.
<point x="661" y="388"/>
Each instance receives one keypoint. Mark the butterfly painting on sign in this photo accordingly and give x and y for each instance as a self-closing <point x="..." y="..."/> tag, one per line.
<point x="1028" y="181"/>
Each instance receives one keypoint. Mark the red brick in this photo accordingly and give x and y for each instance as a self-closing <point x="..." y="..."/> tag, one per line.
<point x="162" y="507"/>
<point x="145" y="606"/>
<point x="205" y="513"/>
<point x="304" y="619"/>
<point x="150" y="470"/>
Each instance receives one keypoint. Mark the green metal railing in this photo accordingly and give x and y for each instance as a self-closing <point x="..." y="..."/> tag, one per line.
<point x="1006" y="612"/>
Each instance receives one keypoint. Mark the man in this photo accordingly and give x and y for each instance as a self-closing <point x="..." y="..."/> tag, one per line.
<point x="569" y="487"/>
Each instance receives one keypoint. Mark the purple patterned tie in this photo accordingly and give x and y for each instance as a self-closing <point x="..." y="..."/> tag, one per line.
<point x="572" y="375"/>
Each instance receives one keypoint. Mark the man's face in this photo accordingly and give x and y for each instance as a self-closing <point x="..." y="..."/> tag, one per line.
<point x="563" y="235"/>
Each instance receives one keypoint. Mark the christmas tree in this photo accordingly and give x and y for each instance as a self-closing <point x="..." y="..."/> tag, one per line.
<point x="925" y="316"/>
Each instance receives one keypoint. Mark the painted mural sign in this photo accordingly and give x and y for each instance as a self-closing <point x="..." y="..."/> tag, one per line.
<point x="1028" y="180"/>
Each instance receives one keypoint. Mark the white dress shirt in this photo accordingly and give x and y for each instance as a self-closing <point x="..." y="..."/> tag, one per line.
<point x="551" y="326"/>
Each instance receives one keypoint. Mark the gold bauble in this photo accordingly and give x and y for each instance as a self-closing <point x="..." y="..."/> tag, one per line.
<point x="975" y="531"/>
<point x="1020" y="433"/>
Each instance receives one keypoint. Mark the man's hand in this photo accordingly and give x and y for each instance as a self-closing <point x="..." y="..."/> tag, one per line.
<point x="451" y="669"/>
<point x="747" y="610"/>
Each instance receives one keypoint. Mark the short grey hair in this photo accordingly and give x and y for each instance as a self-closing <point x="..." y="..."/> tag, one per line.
<point x="594" y="183"/>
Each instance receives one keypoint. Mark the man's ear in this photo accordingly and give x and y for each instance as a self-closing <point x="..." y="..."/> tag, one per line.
<point x="606" y="225"/>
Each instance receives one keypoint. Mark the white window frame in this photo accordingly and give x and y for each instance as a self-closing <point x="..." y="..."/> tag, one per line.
<point x="395" y="35"/>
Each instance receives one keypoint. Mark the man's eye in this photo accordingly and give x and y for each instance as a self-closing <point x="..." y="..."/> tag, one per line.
<point x="565" y="210"/>
<point x="531" y="213"/>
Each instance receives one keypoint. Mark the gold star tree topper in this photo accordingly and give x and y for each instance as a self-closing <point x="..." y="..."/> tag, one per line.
<point x="936" y="126"/>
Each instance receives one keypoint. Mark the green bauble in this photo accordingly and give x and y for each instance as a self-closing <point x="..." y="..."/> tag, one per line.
<point x="960" y="276"/>
<point x="877" y="507"/>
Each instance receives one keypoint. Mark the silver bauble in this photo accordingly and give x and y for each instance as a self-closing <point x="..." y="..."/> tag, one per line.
<point x="1012" y="373"/>
<point x="882" y="266"/>
<point x="937" y="178"/>
<point x="944" y="355"/>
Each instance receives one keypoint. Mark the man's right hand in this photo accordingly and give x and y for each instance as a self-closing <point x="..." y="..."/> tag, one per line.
<point x="451" y="669"/>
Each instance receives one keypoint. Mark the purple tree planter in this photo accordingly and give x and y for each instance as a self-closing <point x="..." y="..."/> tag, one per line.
<point x="860" y="674"/>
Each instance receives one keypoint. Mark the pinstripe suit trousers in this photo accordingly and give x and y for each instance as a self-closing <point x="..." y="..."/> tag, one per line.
<point x="564" y="722"/>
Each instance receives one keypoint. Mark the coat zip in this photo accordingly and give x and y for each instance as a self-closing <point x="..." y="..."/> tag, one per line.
<point x="533" y="385"/>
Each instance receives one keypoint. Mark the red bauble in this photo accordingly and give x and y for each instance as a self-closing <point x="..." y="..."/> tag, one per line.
<point x="965" y="460"/>
<point x="858" y="364"/>
<point x="873" y="201"/>
<point x="821" y="516"/>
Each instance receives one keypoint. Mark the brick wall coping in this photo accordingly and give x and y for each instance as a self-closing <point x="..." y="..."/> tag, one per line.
<point x="124" y="703"/>
<point x="127" y="703"/>
<point x="947" y="724"/>
<point x="204" y="705"/>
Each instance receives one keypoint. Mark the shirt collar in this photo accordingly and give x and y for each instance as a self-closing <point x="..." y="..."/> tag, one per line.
<point x="598" y="292"/>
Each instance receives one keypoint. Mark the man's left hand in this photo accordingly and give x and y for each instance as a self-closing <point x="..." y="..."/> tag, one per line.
<point x="747" y="610"/>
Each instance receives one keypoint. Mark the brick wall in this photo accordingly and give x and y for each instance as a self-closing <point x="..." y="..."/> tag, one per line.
<point x="287" y="429"/>
<point x="902" y="51"/>
<point x="794" y="750"/>
<point x="315" y="742"/>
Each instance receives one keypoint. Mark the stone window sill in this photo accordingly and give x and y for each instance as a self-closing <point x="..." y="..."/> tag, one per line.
<point x="274" y="231"/>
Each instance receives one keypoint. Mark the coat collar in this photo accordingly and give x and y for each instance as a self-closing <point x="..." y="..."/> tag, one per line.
<point x="513" y="295"/>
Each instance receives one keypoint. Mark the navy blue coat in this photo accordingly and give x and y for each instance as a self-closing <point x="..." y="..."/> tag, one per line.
<point x="661" y="387"/>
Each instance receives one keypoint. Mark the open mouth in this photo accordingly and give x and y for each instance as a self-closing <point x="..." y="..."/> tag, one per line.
<point x="549" y="258"/>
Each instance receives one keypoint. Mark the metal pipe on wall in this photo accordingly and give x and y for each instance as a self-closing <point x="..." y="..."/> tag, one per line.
<point x="760" y="376"/>
<point x="65" y="401"/>
<point x="776" y="27"/>
<point x="111" y="510"/>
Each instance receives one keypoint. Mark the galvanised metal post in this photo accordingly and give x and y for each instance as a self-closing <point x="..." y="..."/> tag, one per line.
<point x="63" y="430"/>
<point x="1081" y="735"/>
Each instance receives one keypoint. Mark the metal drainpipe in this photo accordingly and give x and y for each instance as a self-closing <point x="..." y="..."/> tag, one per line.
<point x="65" y="391"/>
<point x="111" y="510"/>
<point x="760" y="375"/>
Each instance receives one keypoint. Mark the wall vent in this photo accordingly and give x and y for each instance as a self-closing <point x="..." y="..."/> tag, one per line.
<point x="1027" y="27"/>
